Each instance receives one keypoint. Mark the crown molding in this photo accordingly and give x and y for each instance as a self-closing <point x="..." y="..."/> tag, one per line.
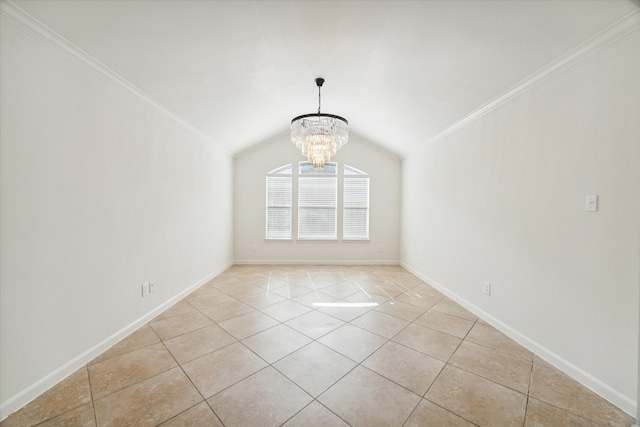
<point x="619" y="29"/>
<point x="12" y="13"/>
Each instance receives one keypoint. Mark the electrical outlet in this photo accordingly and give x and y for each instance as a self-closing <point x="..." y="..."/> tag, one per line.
<point x="152" y="286"/>
<point x="145" y="289"/>
<point x="487" y="288"/>
<point x="254" y="247"/>
<point x="381" y="250"/>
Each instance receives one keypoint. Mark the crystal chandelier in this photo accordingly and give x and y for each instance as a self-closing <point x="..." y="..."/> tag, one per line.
<point x="319" y="135"/>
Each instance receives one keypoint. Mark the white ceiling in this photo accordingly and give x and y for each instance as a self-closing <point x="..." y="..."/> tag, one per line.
<point x="401" y="72"/>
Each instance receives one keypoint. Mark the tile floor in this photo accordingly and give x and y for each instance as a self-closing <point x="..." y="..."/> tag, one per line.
<point x="253" y="348"/>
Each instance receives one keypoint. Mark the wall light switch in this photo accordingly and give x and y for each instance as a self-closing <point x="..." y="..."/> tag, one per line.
<point x="591" y="203"/>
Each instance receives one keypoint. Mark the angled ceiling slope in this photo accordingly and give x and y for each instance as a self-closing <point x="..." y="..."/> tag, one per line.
<point x="401" y="72"/>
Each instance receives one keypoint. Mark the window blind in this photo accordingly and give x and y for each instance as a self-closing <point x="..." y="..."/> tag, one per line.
<point x="278" y="207"/>
<point x="355" y="221"/>
<point x="317" y="207"/>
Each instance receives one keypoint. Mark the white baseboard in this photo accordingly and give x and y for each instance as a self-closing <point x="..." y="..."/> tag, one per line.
<point x="33" y="391"/>
<point x="316" y="262"/>
<point x="621" y="401"/>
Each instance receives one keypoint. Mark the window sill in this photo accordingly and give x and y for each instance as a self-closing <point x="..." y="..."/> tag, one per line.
<point x="267" y="240"/>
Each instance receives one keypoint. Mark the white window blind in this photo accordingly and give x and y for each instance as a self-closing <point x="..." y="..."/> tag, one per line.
<point x="355" y="221"/>
<point x="317" y="207"/>
<point x="279" y="207"/>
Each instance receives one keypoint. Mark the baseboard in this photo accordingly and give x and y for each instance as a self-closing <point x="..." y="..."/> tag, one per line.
<point x="316" y="262"/>
<point x="19" y="400"/>
<point x="621" y="401"/>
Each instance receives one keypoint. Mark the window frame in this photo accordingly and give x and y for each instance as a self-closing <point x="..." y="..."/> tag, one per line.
<point x="340" y="174"/>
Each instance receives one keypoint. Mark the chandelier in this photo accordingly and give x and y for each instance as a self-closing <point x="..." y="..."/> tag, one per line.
<point x="319" y="136"/>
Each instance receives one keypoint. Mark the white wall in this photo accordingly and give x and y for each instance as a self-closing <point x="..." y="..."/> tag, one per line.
<point x="100" y="192"/>
<point x="251" y="168"/>
<point x="502" y="200"/>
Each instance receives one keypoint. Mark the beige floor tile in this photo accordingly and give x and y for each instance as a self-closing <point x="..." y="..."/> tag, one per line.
<point x="203" y="290"/>
<point x="367" y="298"/>
<point x="119" y="372"/>
<point x="312" y="298"/>
<point x="270" y="284"/>
<point x="476" y="399"/>
<point x="228" y="282"/>
<point x="346" y="314"/>
<point x="453" y="308"/>
<point x="263" y="299"/>
<point x="425" y="301"/>
<point x="489" y="336"/>
<point x="327" y="276"/>
<point x="315" y="324"/>
<point x="79" y="417"/>
<point x="255" y="277"/>
<point x="142" y="337"/>
<point x="275" y="343"/>
<point x="242" y="290"/>
<point x="315" y="414"/>
<point x="510" y="371"/>
<point x="200" y="415"/>
<point x="452" y="325"/>
<point x="306" y="282"/>
<point x="364" y="398"/>
<point x="540" y="414"/>
<point x="148" y="403"/>
<point x="216" y="371"/>
<point x="552" y="386"/>
<point x="353" y="342"/>
<point x="223" y="280"/>
<point x="291" y="291"/>
<point x="409" y="368"/>
<point x="181" y="307"/>
<point x="266" y="398"/>
<point x="428" y="414"/>
<point x="426" y="289"/>
<point x="248" y="324"/>
<point x="429" y="341"/>
<point x="380" y="323"/>
<point x="285" y="310"/>
<point x="178" y="325"/>
<point x="226" y="310"/>
<point x="72" y="392"/>
<point x="201" y="341"/>
<point x="401" y="310"/>
<point x="340" y="290"/>
<point x="314" y="367"/>
<point x="540" y="361"/>
<point x="385" y="289"/>
<point x="208" y="298"/>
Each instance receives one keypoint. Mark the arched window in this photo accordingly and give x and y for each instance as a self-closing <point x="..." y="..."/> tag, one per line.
<point x="316" y="202"/>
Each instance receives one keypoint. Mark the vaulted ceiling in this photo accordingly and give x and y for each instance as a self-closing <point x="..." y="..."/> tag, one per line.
<point x="401" y="72"/>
